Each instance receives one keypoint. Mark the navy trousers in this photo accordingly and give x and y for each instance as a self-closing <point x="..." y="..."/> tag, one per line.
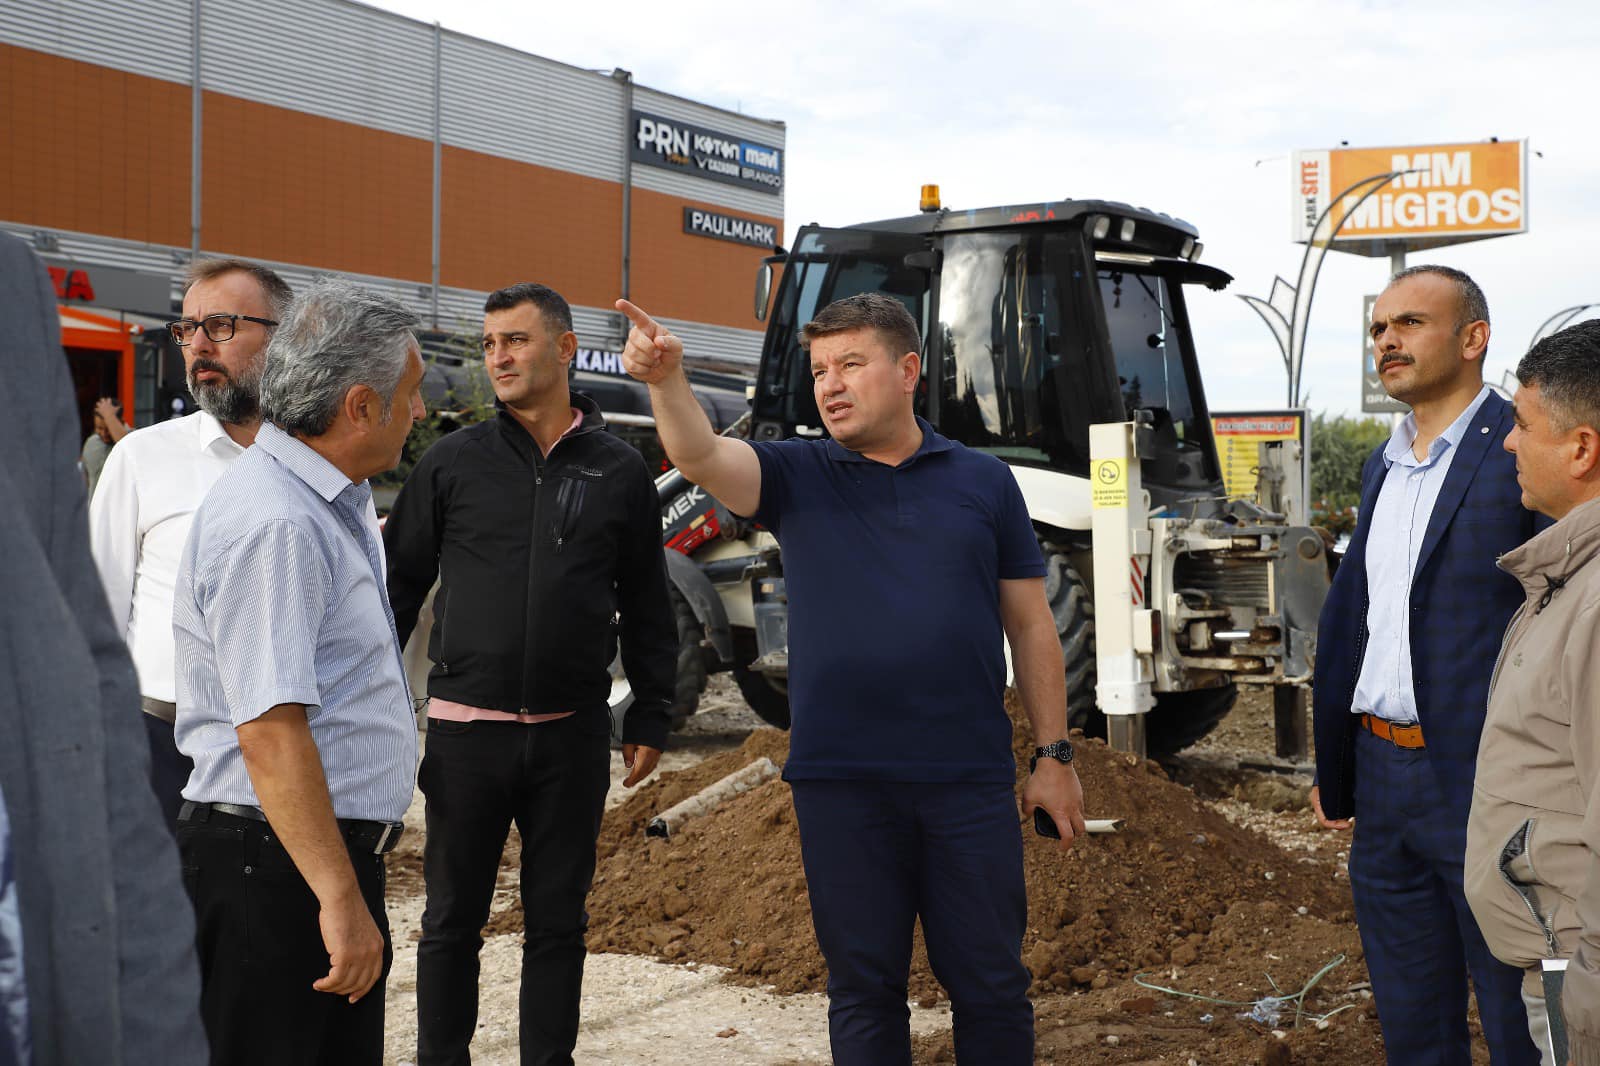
<point x="879" y="855"/>
<point x="1418" y="934"/>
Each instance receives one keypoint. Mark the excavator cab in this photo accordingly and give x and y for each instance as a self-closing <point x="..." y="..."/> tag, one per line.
<point x="1034" y="330"/>
<point x="1038" y="323"/>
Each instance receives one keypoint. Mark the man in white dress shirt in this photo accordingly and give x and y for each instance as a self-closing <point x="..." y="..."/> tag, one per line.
<point x="156" y="477"/>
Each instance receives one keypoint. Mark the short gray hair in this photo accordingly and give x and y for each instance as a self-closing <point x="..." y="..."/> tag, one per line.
<point x="336" y="336"/>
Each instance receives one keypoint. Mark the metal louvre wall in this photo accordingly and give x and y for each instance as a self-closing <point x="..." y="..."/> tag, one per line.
<point x="337" y="60"/>
<point x="460" y="310"/>
<point x="342" y="60"/>
<point x="703" y="344"/>
<point x="518" y="106"/>
<point x="687" y="186"/>
<point x="149" y="38"/>
<point x="353" y="63"/>
<point x="701" y="191"/>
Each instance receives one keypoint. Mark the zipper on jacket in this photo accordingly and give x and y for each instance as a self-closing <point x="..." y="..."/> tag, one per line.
<point x="441" y="607"/>
<point x="1517" y="846"/>
<point x="530" y="607"/>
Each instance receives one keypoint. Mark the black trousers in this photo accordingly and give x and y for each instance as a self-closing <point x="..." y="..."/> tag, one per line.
<point x="169" y="768"/>
<point x="260" y="947"/>
<point x="479" y="777"/>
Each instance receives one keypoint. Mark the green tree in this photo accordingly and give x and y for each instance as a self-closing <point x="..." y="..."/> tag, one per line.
<point x="1339" y="446"/>
<point x="469" y="398"/>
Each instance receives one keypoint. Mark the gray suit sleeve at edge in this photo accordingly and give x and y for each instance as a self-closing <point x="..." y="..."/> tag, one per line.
<point x="159" y="995"/>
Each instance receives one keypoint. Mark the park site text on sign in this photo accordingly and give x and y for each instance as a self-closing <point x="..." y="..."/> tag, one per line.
<point x="1455" y="192"/>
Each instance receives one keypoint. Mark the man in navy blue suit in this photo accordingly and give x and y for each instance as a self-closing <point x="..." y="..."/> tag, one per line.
<point x="1407" y="643"/>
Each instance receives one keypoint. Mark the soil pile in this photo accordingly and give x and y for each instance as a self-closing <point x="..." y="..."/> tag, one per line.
<point x="729" y="889"/>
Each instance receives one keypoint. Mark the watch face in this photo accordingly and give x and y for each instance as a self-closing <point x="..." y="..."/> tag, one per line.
<point x="1061" y="750"/>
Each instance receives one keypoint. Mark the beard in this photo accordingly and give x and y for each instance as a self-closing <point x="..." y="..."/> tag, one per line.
<point x="233" y="401"/>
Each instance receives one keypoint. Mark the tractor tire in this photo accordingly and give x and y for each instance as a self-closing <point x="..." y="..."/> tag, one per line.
<point x="691" y="679"/>
<point x="768" y="698"/>
<point x="1073" y="609"/>
<point x="1180" y="719"/>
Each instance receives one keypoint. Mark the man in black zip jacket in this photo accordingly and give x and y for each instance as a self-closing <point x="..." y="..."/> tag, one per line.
<point x="546" y="532"/>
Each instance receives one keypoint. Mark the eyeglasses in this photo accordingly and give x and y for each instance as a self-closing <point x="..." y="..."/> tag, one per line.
<point x="218" y="327"/>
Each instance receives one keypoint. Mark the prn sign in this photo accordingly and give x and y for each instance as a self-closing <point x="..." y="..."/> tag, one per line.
<point x="673" y="145"/>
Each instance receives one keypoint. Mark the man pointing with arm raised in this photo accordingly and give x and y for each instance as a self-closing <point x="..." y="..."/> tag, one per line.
<point x="900" y="759"/>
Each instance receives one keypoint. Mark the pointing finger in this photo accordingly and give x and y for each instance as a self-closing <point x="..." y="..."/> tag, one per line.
<point x="644" y="322"/>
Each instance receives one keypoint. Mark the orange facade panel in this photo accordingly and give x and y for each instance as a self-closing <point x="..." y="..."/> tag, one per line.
<point x="689" y="276"/>
<point x="504" y="221"/>
<point x="90" y="149"/>
<point x="93" y="150"/>
<point x="291" y="187"/>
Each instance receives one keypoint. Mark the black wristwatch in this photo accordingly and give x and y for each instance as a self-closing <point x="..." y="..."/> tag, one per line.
<point x="1060" y="751"/>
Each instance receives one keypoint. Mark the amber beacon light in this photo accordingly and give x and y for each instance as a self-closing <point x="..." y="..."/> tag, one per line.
<point x="930" y="197"/>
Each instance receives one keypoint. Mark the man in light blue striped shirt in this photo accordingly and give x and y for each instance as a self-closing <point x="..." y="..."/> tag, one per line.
<point x="292" y="698"/>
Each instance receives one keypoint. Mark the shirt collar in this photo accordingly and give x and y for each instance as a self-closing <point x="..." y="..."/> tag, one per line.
<point x="932" y="443"/>
<point x="210" y="431"/>
<point x="1405" y="434"/>
<point x="325" y="479"/>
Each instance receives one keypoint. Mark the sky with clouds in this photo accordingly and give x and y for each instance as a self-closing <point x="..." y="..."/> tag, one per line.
<point x="1188" y="108"/>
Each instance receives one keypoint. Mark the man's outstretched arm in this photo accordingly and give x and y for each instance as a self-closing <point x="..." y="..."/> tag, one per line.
<point x="723" y="466"/>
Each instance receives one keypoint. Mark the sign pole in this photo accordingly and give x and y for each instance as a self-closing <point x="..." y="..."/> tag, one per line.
<point x="1397" y="263"/>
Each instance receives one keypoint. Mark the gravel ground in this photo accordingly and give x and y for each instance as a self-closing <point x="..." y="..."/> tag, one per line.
<point x="637" y="1010"/>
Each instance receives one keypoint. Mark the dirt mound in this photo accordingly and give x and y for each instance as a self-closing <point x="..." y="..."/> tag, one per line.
<point x="729" y="888"/>
<point x="623" y="826"/>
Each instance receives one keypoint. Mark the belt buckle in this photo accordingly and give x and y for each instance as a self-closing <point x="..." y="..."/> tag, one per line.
<point x="389" y="837"/>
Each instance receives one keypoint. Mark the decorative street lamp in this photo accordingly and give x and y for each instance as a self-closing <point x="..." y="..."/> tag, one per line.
<point x="1558" y="322"/>
<point x="1287" y="309"/>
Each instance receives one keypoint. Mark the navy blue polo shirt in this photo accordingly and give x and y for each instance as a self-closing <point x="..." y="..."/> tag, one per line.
<point x="896" y="660"/>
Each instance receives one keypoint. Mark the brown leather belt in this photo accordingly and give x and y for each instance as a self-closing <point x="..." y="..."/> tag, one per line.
<point x="1401" y="736"/>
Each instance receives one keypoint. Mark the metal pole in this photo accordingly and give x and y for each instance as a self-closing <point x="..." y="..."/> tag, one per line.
<point x="1397" y="263"/>
<point x="1311" y="266"/>
<point x="626" y="78"/>
<point x="1121" y="540"/>
<point x="438" y="167"/>
<point x="196" y="104"/>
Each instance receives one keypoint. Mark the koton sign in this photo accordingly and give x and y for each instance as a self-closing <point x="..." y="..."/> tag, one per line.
<point x="1451" y="193"/>
<point x="724" y="157"/>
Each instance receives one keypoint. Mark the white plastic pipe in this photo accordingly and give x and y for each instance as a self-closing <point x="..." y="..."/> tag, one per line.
<point x="711" y="797"/>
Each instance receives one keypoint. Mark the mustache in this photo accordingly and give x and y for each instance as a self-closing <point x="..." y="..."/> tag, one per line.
<point x="202" y="363"/>
<point x="1395" y="357"/>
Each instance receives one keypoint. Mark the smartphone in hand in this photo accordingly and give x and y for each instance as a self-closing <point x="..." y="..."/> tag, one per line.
<point x="1045" y="825"/>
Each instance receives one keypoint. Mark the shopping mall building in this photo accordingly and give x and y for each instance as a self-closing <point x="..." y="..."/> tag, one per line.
<point x="328" y="136"/>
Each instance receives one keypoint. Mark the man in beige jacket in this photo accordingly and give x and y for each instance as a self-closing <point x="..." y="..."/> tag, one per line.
<point x="1529" y="855"/>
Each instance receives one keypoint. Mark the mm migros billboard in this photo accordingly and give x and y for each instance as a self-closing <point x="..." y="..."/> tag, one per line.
<point x="1450" y="193"/>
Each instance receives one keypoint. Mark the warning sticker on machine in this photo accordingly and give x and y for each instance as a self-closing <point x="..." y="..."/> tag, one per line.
<point x="1110" y="483"/>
